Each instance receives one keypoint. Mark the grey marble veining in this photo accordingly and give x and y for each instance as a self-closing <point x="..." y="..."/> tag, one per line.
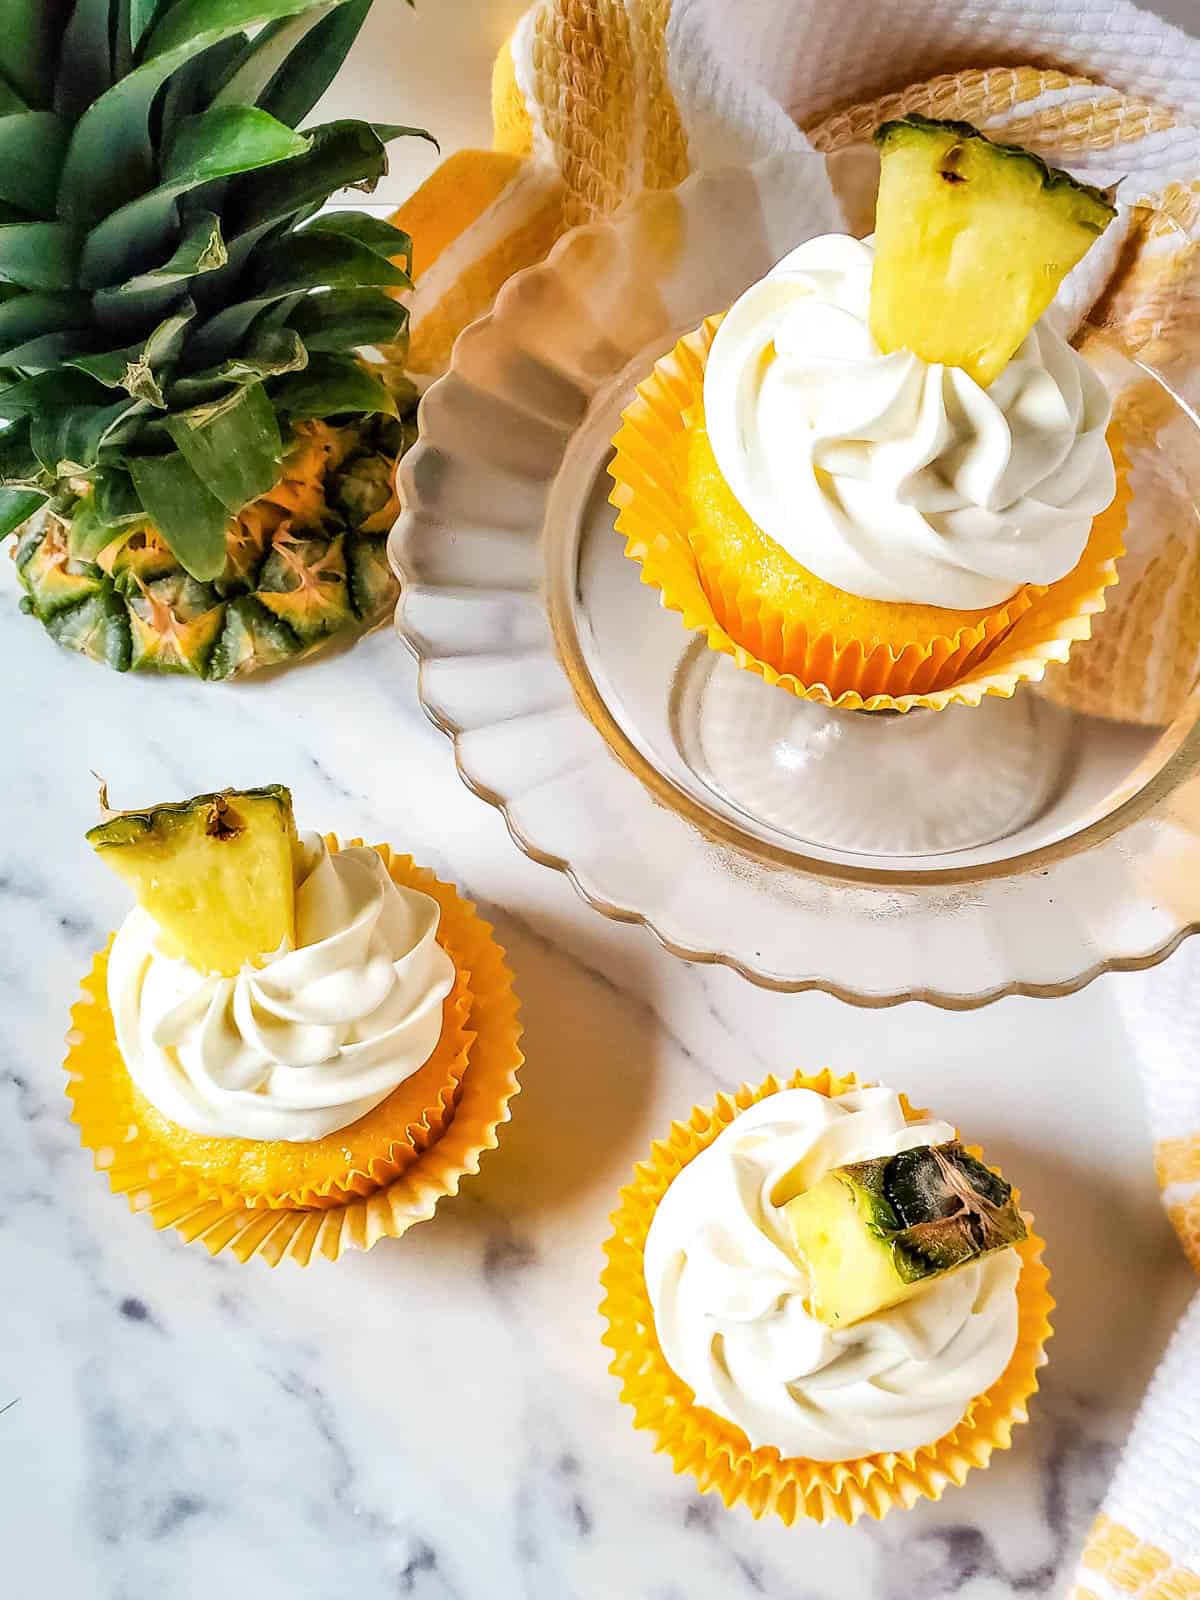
<point x="435" y="1418"/>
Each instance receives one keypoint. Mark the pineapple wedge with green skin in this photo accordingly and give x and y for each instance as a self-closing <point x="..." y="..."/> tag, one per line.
<point x="972" y="240"/>
<point x="178" y="315"/>
<point x="216" y="873"/>
<point x="874" y="1233"/>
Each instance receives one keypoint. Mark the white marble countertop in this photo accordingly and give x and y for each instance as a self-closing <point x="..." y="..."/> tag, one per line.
<point x="435" y="1419"/>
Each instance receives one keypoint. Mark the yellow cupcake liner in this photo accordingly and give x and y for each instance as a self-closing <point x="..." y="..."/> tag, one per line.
<point x="716" y="1452"/>
<point x="1015" y="644"/>
<point x="446" y="1145"/>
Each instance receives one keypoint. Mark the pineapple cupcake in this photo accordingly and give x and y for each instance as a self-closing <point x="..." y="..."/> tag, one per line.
<point x="883" y="475"/>
<point x="821" y="1303"/>
<point x="284" y="1031"/>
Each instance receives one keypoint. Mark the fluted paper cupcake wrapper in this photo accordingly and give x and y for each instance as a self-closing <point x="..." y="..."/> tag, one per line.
<point x="437" y="1150"/>
<point x="718" y="1454"/>
<point x="1015" y="643"/>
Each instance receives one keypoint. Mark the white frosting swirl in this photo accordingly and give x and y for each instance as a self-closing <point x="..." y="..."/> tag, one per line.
<point x="728" y="1289"/>
<point x="309" y="1042"/>
<point x="890" y="477"/>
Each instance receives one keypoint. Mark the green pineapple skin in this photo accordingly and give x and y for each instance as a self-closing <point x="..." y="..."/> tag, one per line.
<point x="373" y="587"/>
<point x="873" y="1233"/>
<point x="216" y="873"/>
<point x="199" y="616"/>
<point x="134" y="564"/>
<point x="972" y="240"/>
<point x="98" y="629"/>
<point x="251" y="639"/>
<point x="1092" y="206"/>
<point x="133" y="327"/>
<point x="317" y="612"/>
<point x="137" y="827"/>
<point x="247" y="634"/>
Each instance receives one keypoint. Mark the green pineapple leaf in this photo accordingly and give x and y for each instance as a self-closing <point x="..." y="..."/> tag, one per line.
<point x="232" y="445"/>
<point x="31" y="30"/>
<point x="342" y="153"/>
<point x="85" y="60"/>
<point x="33" y="146"/>
<point x="376" y="233"/>
<point x="188" y="515"/>
<point x="132" y="19"/>
<point x="116" y="499"/>
<point x="29" y="316"/>
<point x="323" y="260"/>
<point x="17" y="506"/>
<point x="38" y="255"/>
<point x="67" y="439"/>
<point x="228" y="140"/>
<point x="47" y="389"/>
<point x="344" y="319"/>
<point x="270" y="354"/>
<point x="147" y="295"/>
<point x="111" y="157"/>
<point x="135" y="368"/>
<point x="213" y="145"/>
<point x="90" y="534"/>
<point x="261" y="59"/>
<point x="11" y="104"/>
<point x="294" y="265"/>
<point x="389" y="132"/>
<point x="313" y="64"/>
<point x="330" y="386"/>
<point x="46" y="353"/>
<point x="19" y="466"/>
<point x="192" y="87"/>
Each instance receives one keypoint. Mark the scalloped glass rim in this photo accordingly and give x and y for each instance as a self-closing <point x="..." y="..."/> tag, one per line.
<point x="489" y="551"/>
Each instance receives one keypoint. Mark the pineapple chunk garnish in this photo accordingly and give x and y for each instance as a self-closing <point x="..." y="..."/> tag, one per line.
<point x="873" y="1233"/>
<point x="972" y="240"/>
<point x="216" y="873"/>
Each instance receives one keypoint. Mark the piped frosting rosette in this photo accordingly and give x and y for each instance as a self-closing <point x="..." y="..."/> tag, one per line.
<point x="929" y="1360"/>
<point x="886" y="534"/>
<point x="304" y="1056"/>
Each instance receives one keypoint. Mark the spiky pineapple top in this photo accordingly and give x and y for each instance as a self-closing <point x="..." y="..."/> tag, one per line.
<point x="172" y="304"/>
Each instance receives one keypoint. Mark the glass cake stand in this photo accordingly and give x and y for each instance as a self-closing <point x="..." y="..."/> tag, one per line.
<point x="952" y="857"/>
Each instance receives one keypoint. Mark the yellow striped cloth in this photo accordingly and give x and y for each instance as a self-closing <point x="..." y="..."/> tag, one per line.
<point x="1145" y="1544"/>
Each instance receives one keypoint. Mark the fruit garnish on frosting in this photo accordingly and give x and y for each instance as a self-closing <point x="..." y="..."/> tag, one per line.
<point x="895" y="413"/>
<point x="876" y="1232"/>
<point x="774" y="1266"/>
<point x="972" y="240"/>
<point x="266" y="986"/>
<point x="216" y="873"/>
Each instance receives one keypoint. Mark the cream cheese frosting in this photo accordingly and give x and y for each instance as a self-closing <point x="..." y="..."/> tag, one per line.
<point x="728" y="1291"/>
<point x="894" y="478"/>
<point x="305" y="1044"/>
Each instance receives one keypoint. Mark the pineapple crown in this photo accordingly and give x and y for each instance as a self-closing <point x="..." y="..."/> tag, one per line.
<point x="172" y="296"/>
